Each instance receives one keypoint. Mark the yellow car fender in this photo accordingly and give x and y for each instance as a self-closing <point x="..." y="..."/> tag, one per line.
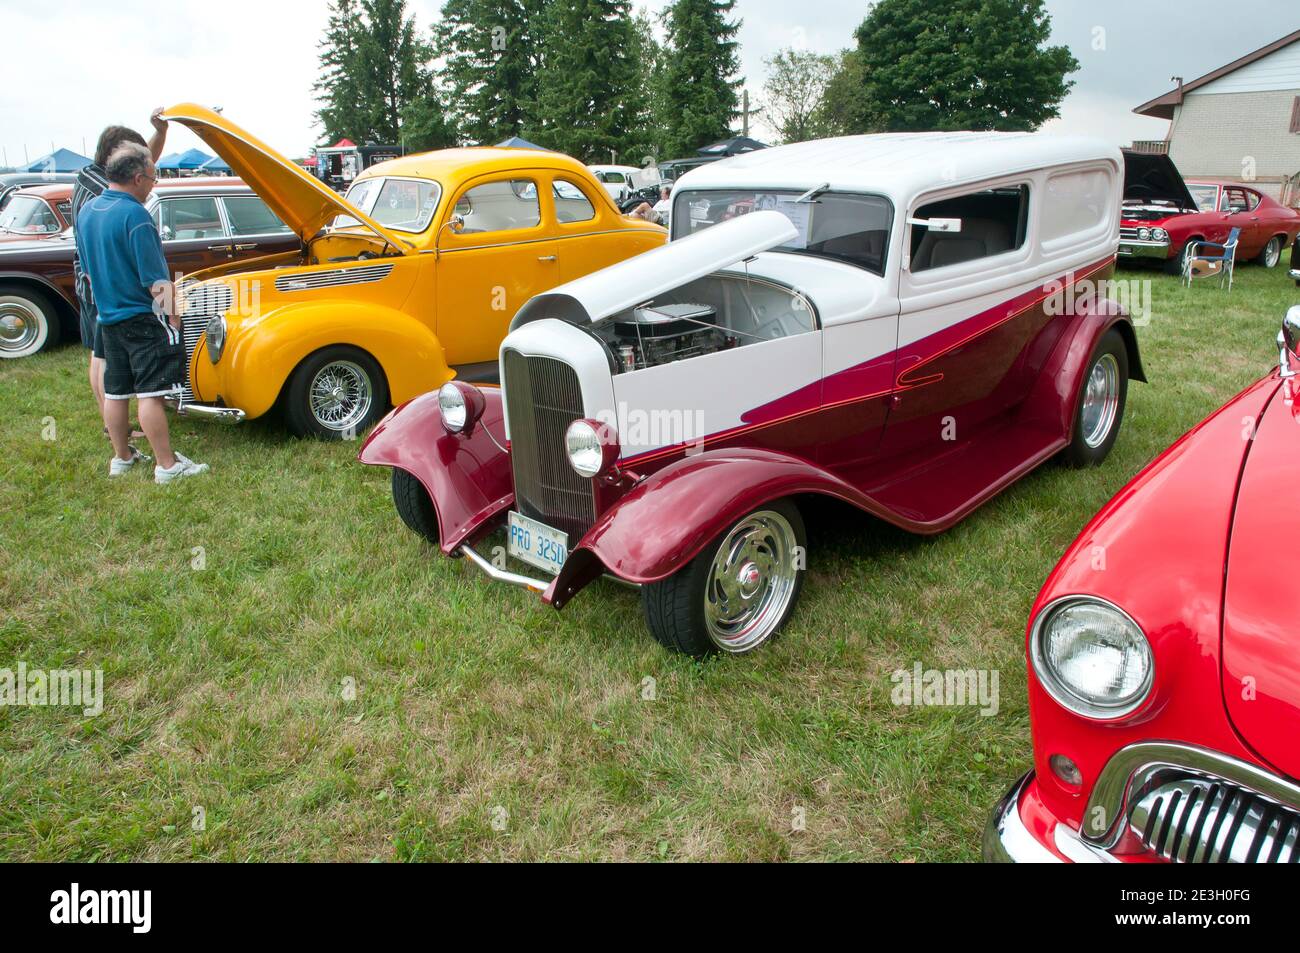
<point x="259" y="358"/>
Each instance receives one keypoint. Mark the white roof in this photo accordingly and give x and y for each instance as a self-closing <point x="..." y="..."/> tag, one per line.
<point x="898" y="165"/>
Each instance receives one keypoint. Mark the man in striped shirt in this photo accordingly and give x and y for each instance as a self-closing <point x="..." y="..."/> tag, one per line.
<point x="91" y="182"/>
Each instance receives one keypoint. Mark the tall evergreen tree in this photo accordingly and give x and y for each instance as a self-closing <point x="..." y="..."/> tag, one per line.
<point x="341" y="110"/>
<point x="589" y="81"/>
<point x="491" y="53"/>
<point x="701" y="82"/>
<point x="374" y="73"/>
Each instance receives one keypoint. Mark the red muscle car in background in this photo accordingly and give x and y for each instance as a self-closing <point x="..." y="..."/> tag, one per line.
<point x="1162" y="214"/>
<point x="203" y="222"/>
<point x="36" y="211"/>
<point x="1164" y="676"/>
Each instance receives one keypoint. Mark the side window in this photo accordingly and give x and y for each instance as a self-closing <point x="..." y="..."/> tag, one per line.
<point x="1252" y="198"/>
<point x="1075" y="203"/>
<point x="249" y="216"/>
<point x="182" y="219"/>
<point x="571" y="205"/>
<point x="500" y="206"/>
<point x="993" y="222"/>
<point x="1233" y="199"/>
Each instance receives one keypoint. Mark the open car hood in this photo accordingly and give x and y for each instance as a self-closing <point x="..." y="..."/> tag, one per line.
<point x="300" y="200"/>
<point x="1154" y="178"/>
<point x="624" y="285"/>
<point x="1261" y="614"/>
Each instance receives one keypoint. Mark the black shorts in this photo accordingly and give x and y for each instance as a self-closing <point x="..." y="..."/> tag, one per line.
<point x="144" y="357"/>
<point x="92" y="335"/>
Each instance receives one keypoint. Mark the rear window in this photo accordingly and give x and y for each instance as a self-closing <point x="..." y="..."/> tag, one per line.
<point x="843" y="226"/>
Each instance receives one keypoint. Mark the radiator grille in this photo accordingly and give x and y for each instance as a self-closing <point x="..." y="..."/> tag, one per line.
<point x="1128" y="234"/>
<point x="1199" y="821"/>
<point x="202" y="302"/>
<point x="360" y="275"/>
<point x="542" y="398"/>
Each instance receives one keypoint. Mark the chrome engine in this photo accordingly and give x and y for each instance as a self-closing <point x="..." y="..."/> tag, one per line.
<point x="661" y="334"/>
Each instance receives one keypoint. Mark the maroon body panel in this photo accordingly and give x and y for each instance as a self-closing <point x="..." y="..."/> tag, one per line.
<point x="467" y="476"/>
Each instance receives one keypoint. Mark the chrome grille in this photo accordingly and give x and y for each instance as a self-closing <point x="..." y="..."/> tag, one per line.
<point x="361" y="275"/>
<point x="202" y="302"/>
<point x="1199" y="821"/>
<point x="542" y="398"/>
<point x="1128" y="234"/>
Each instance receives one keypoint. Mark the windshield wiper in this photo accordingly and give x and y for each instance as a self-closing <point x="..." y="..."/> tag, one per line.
<point x="811" y="194"/>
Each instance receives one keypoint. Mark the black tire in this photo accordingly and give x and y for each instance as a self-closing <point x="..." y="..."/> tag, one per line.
<point x="29" y="322"/>
<point x="1270" y="254"/>
<point x="1174" y="266"/>
<point x="414" y="506"/>
<point x="350" y="362"/>
<point x="1083" y="451"/>
<point x="675" y="607"/>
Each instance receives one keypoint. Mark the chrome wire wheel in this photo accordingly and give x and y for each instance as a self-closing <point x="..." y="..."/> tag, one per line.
<point x="751" y="582"/>
<point x="1272" y="252"/>
<point x="340" y="395"/>
<point x="1100" y="401"/>
<point x="22" y="328"/>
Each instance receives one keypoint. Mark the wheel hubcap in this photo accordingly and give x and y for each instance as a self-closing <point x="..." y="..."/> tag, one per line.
<point x="1100" y="401"/>
<point x="751" y="582"/>
<point x="1273" y="253"/>
<point x="20" y="327"/>
<point x="340" y="395"/>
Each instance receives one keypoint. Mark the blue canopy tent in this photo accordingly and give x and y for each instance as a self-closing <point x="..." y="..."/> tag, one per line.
<point x="514" y="142"/>
<point x="184" y="162"/>
<point x="60" y="160"/>
<point x="215" y="165"/>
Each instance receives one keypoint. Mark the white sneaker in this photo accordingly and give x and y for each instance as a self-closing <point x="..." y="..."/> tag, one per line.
<point x="117" y="466"/>
<point x="183" y="467"/>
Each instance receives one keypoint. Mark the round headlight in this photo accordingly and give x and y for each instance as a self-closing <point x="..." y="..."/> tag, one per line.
<point x="454" y="409"/>
<point x="1092" y="657"/>
<point x="591" y="446"/>
<point x="216" y="337"/>
<point x="1144" y="234"/>
<point x="1159" y="234"/>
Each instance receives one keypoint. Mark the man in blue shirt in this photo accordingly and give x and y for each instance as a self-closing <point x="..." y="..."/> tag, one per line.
<point x="122" y="256"/>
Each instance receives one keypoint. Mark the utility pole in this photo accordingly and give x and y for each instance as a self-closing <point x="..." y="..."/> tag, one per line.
<point x="744" y="110"/>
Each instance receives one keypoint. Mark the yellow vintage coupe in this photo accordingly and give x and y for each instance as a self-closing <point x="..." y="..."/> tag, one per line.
<point x="407" y="281"/>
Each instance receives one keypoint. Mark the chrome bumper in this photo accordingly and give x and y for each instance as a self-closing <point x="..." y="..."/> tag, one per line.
<point x="1133" y="248"/>
<point x="517" y="579"/>
<point x="225" y="415"/>
<point x="1008" y="841"/>
<point x="1295" y="273"/>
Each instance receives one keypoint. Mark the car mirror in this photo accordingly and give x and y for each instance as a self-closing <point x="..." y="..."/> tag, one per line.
<point x="938" y="224"/>
<point x="1288" y="342"/>
<point x="456" y="223"/>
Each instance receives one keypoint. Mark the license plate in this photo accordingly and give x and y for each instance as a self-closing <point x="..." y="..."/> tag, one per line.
<point x="537" y="544"/>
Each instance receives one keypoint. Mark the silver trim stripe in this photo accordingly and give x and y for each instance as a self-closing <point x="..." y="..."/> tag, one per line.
<point x="333" y="278"/>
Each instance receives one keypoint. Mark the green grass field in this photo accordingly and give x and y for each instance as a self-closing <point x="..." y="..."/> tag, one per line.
<point x="486" y="726"/>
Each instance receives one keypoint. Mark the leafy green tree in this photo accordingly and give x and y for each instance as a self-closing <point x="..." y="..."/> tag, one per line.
<point x="425" y="126"/>
<point x="963" y="64"/>
<point x="491" y="53"/>
<point x="701" y="81"/>
<point x="794" y="92"/>
<point x="589" y="81"/>
<point x="841" y="111"/>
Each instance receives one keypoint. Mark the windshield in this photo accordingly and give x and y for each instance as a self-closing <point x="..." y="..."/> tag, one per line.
<point x="1205" y="196"/>
<point x="27" y="215"/>
<point x="404" y="205"/>
<point x="842" y="226"/>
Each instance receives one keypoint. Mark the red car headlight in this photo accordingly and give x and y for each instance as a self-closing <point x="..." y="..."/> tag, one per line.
<point x="1091" y="657"/>
<point x="592" y="447"/>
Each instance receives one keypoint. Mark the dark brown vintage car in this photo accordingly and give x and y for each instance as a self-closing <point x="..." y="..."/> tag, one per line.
<point x="204" y="222"/>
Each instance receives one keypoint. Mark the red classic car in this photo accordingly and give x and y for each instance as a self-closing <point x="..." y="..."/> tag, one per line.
<point x="1164" y="692"/>
<point x="36" y="211"/>
<point x="203" y="221"/>
<point x="1162" y="214"/>
<point x="846" y="318"/>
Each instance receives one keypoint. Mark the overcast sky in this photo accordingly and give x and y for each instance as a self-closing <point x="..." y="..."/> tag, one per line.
<point x="70" y="67"/>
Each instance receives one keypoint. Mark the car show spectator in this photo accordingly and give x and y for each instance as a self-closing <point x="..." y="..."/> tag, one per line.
<point x="91" y="182"/>
<point x="138" y="325"/>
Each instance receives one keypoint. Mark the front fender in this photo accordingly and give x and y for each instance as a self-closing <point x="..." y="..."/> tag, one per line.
<point x="261" y="354"/>
<point x="1054" y="399"/>
<point x="468" y="478"/>
<point x="668" y="518"/>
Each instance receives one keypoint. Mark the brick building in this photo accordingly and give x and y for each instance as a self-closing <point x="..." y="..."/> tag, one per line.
<point x="1241" y="121"/>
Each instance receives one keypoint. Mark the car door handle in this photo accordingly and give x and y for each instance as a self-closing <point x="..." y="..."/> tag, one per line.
<point x="246" y="246"/>
<point x="546" y="257"/>
<point x="225" y="247"/>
